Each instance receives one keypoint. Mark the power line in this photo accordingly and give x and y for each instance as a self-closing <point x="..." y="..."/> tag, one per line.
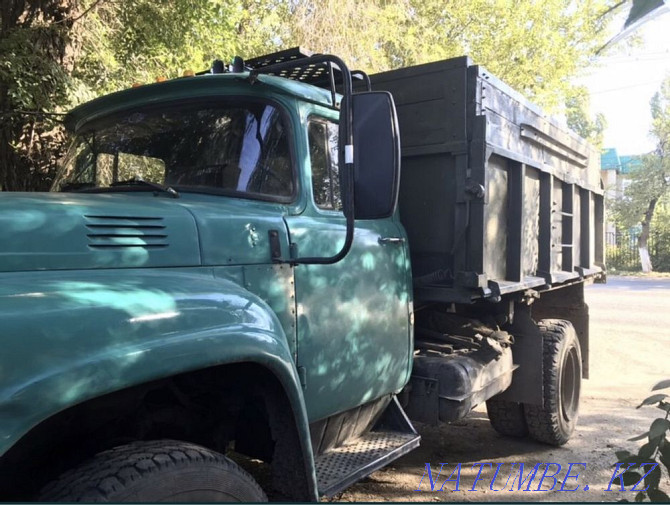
<point x="633" y="55"/>
<point x="637" y="85"/>
<point x="641" y="58"/>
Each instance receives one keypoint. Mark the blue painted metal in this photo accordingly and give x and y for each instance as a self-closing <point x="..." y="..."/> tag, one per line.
<point x="54" y="231"/>
<point x="188" y="88"/>
<point x="91" y="333"/>
<point x="128" y="287"/>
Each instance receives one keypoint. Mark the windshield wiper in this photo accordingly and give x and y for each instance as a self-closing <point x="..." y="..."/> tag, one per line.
<point x="137" y="181"/>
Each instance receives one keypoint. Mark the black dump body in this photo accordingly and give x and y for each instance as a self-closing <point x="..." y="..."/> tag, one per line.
<point x="495" y="196"/>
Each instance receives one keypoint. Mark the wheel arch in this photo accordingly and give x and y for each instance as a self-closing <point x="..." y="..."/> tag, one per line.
<point x="51" y="440"/>
<point x="98" y="333"/>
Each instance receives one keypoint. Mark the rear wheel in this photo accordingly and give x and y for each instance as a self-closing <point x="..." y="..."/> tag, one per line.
<point x="156" y="471"/>
<point x="507" y="418"/>
<point x="554" y="421"/>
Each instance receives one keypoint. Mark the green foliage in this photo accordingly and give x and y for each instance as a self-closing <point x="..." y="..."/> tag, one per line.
<point x="25" y="50"/>
<point x="660" y="113"/>
<point x="533" y="46"/>
<point x="647" y="183"/>
<point x="60" y="53"/>
<point x="655" y="450"/>
<point x="576" y="107"/>
<point x="122" y="43"/>
<point x="644" y="200"/>
<point x="34" y="76"/>
<point x="661" y="230"/>
<point x="624" y="255"/>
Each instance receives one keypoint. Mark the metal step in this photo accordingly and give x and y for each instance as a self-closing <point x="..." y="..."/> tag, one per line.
<point x="342" y="466"/>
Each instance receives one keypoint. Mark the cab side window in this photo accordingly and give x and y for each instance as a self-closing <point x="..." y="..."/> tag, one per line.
<point x="323" y="140"/>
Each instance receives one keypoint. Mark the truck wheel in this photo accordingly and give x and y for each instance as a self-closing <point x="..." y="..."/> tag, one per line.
<point x="507" y="418"/>
<point x="555" y="420"/>
<point x="155" y="471"/>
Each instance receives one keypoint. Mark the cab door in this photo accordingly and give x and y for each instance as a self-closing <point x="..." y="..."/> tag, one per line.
<point x="354" y="337"/>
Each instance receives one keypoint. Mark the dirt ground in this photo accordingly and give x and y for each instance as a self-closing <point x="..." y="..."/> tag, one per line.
<point x="630" y="351"/>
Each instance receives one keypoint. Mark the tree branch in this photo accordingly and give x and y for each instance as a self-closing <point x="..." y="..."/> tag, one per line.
<point x="77" y="18"/>
<point x="614" y="7"/>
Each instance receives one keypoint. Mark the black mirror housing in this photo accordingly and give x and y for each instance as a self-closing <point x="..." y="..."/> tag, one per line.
<point x="376" y="155"/>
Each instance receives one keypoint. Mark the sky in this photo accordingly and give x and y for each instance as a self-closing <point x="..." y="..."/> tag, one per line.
<point x="622" y="86"/>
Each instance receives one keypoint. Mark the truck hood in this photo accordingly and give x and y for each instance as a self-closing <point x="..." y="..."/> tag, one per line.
<point x="50" y="231"/>
<point x="74" y="231"/>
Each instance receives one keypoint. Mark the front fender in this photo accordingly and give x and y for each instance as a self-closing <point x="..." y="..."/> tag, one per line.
<point x="71" y="336"/>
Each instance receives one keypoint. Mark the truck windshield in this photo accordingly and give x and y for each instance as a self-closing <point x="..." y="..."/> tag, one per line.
<point x="232" y="148"/>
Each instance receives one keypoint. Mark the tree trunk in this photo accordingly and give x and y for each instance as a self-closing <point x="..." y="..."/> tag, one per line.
<point x="643" y="239"/>
<point x="645" y="259"/>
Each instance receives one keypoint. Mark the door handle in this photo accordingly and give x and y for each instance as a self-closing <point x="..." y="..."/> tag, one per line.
<point x="391" y="240"/>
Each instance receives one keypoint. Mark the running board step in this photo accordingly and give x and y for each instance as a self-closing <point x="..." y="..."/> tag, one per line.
<point x="392" y="437"/>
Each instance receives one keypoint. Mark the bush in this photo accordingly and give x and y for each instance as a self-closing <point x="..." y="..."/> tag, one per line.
<point x="655" y="451"/>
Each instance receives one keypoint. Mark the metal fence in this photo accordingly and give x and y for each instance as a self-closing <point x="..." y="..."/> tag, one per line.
<point x="623" y="254"/>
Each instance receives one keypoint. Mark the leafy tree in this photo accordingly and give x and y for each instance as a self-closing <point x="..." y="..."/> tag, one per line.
<point x="576" y="107"/>
<point x="34" y="42"/>
<point x="649" y="183"/>
<point x="351" y="29"/>
<point x="660" y="226"/>
<point x="58" y="53"/>
<point x="543" y="43"/>
<point x="125" y="42"/>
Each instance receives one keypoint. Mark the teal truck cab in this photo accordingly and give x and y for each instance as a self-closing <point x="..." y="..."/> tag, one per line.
<point x="233" y="265"/>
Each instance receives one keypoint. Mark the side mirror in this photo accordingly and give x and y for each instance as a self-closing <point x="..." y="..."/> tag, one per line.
<point x="376" y="155"/>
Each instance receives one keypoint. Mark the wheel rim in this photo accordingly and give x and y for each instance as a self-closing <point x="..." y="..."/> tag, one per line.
<point x="570" y="384"/>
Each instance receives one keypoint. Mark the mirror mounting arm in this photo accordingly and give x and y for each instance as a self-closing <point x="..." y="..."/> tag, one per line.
<point x="346" y="117"/>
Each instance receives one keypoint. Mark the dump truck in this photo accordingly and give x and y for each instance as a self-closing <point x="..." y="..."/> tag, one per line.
<point x="280" y="264"/>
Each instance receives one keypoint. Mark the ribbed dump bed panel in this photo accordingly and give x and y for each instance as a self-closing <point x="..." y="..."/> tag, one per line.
<point x="495" y="196"/>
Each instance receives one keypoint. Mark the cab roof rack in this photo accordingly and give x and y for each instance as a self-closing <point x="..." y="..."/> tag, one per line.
<point x="297" y="64"/>
<point x="314" y="74"/>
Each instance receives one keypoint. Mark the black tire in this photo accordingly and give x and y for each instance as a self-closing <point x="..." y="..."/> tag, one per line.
<point x="555" y="420"/>
<point x="155" y="471"/>
<point x="507" y="418"/>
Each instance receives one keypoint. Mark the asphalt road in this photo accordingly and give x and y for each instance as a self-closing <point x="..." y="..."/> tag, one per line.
<point x="630" y="351"/>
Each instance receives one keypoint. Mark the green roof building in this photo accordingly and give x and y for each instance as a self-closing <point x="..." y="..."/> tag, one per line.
<point x="621" y="164"/>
